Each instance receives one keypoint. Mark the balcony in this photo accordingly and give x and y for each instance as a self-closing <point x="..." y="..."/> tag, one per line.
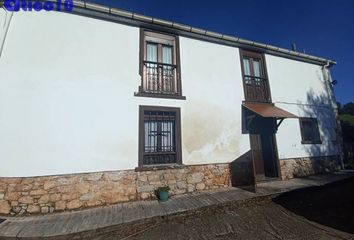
<point x="256" y="89"/>
<point x="160" y="78"/>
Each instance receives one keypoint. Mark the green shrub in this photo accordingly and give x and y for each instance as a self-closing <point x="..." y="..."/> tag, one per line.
<point x="163" y="189"/>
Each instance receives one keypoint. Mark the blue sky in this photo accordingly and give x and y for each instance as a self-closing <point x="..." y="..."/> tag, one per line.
<point x="320" y="27"/>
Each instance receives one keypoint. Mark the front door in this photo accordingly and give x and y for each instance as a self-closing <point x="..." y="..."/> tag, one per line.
<point x="262" y="139"/>
<point x="257" y="154"/>
<point x="269" y="156"/>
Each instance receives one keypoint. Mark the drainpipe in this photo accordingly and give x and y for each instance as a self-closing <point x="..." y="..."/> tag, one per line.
<point x="333" y="102"/>
<point x="5" y="30"/>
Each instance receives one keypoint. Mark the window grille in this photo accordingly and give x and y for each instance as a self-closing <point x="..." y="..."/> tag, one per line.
<point x="159" y="137"/>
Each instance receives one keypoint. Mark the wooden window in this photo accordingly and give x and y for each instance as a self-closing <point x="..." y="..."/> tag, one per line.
<point x="160" y="136"/>
<point x="255" y="80"/>
<point x="159" y="65"/>
<point x="309" y="131"/>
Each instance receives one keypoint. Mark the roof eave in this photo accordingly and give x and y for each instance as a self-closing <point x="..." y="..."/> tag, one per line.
<point x="134" y="19"/>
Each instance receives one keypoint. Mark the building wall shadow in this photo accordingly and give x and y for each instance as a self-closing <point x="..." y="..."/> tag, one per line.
<point x="318" y="106"/>
<point x="242" y="172"/>
<point x="330" y="205"/>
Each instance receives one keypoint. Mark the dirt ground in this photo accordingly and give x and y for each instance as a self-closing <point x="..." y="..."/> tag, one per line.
<point x="314" y="213"/>
<point x="331" y="205"/>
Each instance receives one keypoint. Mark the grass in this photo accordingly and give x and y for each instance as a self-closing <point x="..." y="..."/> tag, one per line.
<point x="347" y="118"/>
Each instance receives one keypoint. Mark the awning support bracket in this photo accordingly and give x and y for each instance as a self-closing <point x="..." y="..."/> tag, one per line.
<point x="281" y="120"/>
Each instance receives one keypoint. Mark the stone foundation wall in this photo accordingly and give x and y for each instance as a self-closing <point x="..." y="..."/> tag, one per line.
<point x="300" y="167"/>
<point x="20" y="196"/>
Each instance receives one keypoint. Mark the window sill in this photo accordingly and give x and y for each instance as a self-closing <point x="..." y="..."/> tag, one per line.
<point x="311" y="142"/>
<point x="159" y="95"/>
<point x="268" y="101"/>
<point x="159" y="167"/>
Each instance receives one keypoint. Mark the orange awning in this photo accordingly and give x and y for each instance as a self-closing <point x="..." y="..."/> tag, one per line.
<point x="268" y="110"/>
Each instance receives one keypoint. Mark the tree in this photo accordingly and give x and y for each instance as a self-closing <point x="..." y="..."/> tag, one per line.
<point x="346" y="116"/>
<point x="346" y="108"/>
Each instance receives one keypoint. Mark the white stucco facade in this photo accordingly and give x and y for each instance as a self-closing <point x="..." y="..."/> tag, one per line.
<point x="67" y="101"/>
<point x="300" y="88"/>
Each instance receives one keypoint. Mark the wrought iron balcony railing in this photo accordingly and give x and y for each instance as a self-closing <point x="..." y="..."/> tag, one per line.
<point x="160" y="78"/>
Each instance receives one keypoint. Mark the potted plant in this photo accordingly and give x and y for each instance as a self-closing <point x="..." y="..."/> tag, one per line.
<point x="162" y="193"/>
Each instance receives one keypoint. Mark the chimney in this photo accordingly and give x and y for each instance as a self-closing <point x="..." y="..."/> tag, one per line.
<point x="293" y="47"/>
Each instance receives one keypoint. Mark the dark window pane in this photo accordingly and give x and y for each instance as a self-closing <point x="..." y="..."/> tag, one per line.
<point x="307" y="128"/>
<point x="310" y="132"/>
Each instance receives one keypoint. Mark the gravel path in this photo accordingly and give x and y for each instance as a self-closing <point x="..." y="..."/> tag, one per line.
<point x="325" y="212"/>
<point x="265" y="221"/>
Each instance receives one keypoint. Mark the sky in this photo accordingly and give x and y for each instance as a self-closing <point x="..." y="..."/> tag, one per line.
<point x="323" y="28"/>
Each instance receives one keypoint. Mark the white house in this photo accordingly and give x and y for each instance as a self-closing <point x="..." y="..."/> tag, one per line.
<point x="100" y="106"/>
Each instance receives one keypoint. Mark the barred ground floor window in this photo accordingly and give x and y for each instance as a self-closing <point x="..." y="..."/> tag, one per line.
<point x="159" y="136"/>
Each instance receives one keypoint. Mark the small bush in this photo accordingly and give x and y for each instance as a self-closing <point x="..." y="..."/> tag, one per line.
<point x="163" y="189"/>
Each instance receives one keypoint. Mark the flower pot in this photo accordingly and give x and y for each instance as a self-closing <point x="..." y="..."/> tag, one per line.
<point x="163" y="196"/>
